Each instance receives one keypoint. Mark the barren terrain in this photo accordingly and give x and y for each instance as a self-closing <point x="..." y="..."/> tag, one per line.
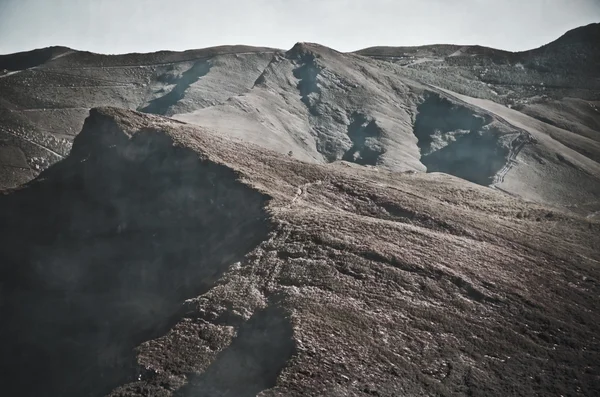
<point x="168" y="261"/>
<point x="243" y="222"/>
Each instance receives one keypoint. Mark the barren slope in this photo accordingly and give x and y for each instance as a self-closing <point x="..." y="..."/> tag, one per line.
<point x="461" y="110"/>
<point x="237" y="271"/>
<point x="323" y="106"/>
<point x="44" y="100"/>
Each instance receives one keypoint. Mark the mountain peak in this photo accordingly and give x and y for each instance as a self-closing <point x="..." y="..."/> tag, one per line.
<point x="303" y="48"/>
<point x="589" y="34"/>
<point x="29" y="59"/>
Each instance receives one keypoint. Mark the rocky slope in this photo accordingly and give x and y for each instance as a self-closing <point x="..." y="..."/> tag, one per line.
<point x="161" y="259"/>
<point x="45" y="95"/>
<point x="526" y="123"/>
<point x="256" y="222"/>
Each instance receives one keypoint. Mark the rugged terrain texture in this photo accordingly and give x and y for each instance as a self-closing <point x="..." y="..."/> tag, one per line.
<point x="45" y="95"/>
<point x="161" y="259"/>
<point x="240" y="221"/>
<point x="526" y="123"/>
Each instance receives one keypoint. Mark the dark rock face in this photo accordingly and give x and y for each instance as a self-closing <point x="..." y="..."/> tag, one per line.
<point x="100" y="253"/>
<point x="364" y="135"/>
<point x="456" y="141"/>
<point x="307" y="74"/>
<point x="160" y="259"/>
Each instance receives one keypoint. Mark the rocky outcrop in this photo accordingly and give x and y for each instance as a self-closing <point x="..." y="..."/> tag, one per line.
<point x="160" y="259"/>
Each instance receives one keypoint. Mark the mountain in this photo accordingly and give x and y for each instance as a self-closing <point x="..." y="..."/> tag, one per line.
<point x="43" y="107"/>
<point x="241" y="221"/>
<point x="162" y="259"/>
<point x="526" y="123"/>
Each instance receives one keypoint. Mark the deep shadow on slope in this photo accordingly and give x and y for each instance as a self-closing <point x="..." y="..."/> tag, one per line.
<point x="307" y="73"/>
<point x="251" y="363"/>
<point x="114" y="239"/>
<point x="364" y="135"/>
<point x="162" y="104"/>
<point x="454" y="140"/>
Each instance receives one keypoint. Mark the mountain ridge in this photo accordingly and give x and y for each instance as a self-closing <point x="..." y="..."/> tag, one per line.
<point x="585" y="33"/>
<point x="326" y="106"/>
<point x="242" y="221"/>
<point x="355" y="280"/>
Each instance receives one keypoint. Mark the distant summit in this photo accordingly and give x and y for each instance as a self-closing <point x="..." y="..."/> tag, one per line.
<point x="589" y="34"/>
<point x="30" y="59"/>
<point x="524" y="122"/>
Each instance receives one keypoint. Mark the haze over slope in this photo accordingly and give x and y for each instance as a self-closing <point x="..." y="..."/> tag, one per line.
<point x="526" y="123"/>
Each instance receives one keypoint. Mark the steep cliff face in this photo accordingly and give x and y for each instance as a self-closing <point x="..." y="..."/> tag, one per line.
<point x="161" y="259"/>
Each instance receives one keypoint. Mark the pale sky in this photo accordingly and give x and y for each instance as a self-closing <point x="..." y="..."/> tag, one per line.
<point x="120" y="26"/>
